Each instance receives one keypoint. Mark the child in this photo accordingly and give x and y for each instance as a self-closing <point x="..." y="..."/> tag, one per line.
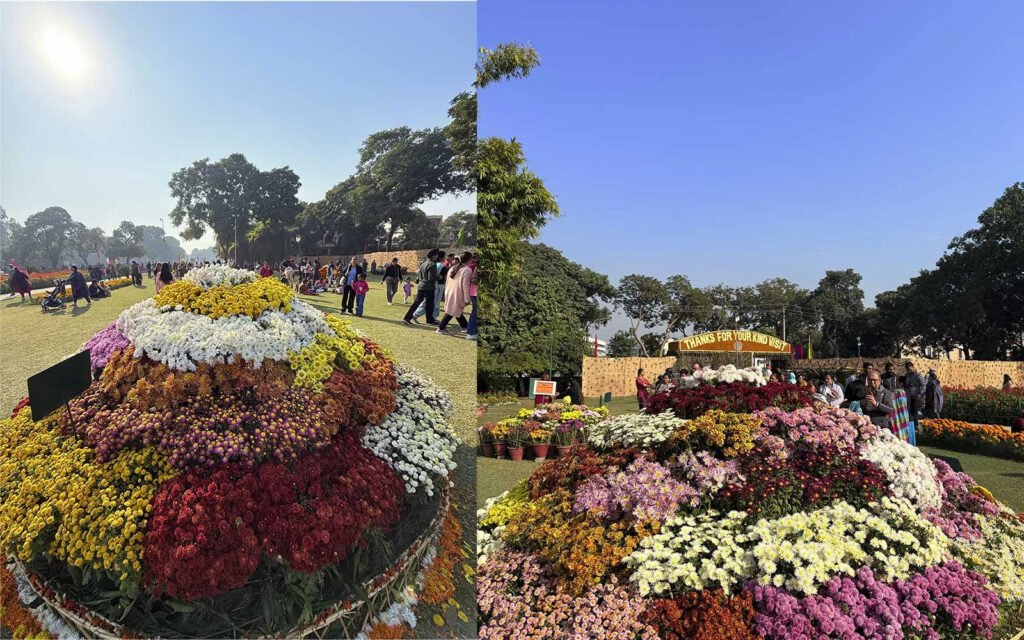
<point x="407" y="288"/>
<point x="361" y="287"/>
<point x="320" y="286"/>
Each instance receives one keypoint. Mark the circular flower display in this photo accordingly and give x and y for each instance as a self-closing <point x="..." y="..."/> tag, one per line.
<point x="242" y="465"/>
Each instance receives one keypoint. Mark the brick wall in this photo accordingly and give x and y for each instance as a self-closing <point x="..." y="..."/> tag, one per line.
<point x="952" y="373"/>
<point x="618" y="375"/>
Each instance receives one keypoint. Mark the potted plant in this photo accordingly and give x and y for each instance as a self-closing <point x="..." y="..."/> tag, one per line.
<point x="517" y="437"/>
<point x="566" y="434"/>
<point x="499" y="432"/>
<point x="486" y="436"/>
<point x="540" y="440"/>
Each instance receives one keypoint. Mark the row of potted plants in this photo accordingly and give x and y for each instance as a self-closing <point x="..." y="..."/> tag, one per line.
<point x="541" y="431"/>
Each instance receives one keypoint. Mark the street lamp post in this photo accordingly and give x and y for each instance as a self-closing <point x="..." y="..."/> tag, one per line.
<point x="858" y="347"/>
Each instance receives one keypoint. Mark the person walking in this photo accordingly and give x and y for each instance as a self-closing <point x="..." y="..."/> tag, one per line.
<point x="407" y="289"/>
<point x="471" y="331"/>
<point x="79" y="288"/>
<point x="373" y="267"/>
<point x="441" y="267"/>
<point x="392" y="274"/>
<point x="164" y="277"/>
<point x="136" y="274"/>
<point x="643" y="389"/>
<point x="349" y="277"/>
<point x="20" y="283"/>
<point x="914" y="386"/>
<point x="934" y="399"/>
<point x="426" y="281"/>
<point x="456" y="295"/>
<point x="879" y="402"/>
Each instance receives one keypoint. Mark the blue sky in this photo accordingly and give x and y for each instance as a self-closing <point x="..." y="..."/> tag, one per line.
<point x="737" y="141"/>
<point x="170" y="83"/>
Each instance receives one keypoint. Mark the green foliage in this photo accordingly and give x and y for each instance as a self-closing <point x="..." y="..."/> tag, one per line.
<point x="506" y="61"/>
<point x="840" y="301"/>
<point x="644" y="300"/>
<point x="230" y="197"/>
<point x="542" y="324"/>
<point x="44" y="238"/>
<point x="622" y="344"/>
<point x="126" y="241"/>
<point x="459" y="229"/>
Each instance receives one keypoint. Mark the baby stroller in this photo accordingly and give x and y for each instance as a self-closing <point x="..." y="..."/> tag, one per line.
<point x="54" y="299"/>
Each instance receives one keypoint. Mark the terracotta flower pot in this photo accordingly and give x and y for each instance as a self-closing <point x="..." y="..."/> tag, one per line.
<point x="564" y="449"/>
<point x="515" y="453"/>
<point x="540" y="451"/>
<point x="487" y="449"/>
<point x="499" y="449"/>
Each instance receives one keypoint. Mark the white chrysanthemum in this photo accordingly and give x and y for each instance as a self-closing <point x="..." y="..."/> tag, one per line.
<point x="416" y="439"/>
<point x="911" y="474"/>
<point x="634" y="430"/>
<point x="216" y="275"/>
<point x="181" y="340"/>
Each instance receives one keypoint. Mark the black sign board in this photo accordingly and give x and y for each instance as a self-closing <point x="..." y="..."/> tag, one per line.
<point x="50" y="389"/>
<point x="954" y="463"/>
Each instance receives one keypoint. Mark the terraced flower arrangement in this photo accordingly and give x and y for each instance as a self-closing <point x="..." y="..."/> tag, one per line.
<point x="242" y="465"/>
<point x="779" y="523"/>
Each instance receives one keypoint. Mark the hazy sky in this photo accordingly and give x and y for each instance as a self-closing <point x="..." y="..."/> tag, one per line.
<point x="737" y="141"/>
<point x="102" y="102"/>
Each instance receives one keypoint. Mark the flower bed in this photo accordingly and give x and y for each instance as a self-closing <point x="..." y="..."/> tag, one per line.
<point x="983" y="439"/>
<point x="983" y="405"/>
<point x="732" y="396"/>
<point x="244" y="474"/>
<point x="780" y="523"/>
<point x="37" y="280"/>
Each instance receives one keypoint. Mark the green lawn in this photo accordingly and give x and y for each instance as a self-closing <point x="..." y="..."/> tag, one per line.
<point x="31" y="341"/>
<point x="1004" y="478"/>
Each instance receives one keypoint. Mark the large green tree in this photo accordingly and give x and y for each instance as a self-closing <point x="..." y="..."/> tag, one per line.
<point x="644" y="300"/>
<point x="45" y="237"/>
<point x="545" y="324"/>
<point x="233" y="198"/>
<point x="459" y="229"/>
<point x="840" y="301"/>
<point x="126" y="241"/>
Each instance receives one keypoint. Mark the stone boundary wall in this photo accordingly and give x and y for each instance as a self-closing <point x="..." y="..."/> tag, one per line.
<point x="618" y="375"/>
<point x="952" y="373"/>
<point x="409" y="259"/>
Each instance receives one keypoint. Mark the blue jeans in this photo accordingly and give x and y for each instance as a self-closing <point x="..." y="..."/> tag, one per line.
<point x="472" y="317"/>
<point x="359" y="304"/>
<point x="438" y="297"/>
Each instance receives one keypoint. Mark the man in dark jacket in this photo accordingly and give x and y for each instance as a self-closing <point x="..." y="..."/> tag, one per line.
<point x="79" y="289"/>
<point x="889" y="379"/>
<point x="426" y="277"/>
<point x="878" y="402"/>
<point x="348" y="278"/>
<point x="914" y="385"/>
<point x="392" y="274"/>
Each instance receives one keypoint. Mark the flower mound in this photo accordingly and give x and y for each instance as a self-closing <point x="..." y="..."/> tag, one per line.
<point x="237" y="445"/>
<point x="728" y="513"/>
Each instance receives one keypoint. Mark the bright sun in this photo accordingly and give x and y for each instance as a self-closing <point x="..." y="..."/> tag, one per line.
<point x="64" y="53"/>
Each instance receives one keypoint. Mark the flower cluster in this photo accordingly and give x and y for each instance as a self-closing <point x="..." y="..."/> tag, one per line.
<point x="984" y="439"/>
<point x="725" y="375"/>
<point x="249" y="299"/>
<point x="505" y="508"/>
<point x="207" y="532"/>
<point x="416" y="440"/>
<point x="573" y="467"/>
<point x="644" y="490"/>
<point x="59" y="501"/>
<point x="634" y="430"/>
<point x="814" y="428"/>
<point x="727" y="434"/>
<point x="983" y="405"/>
<point x="733" y="397"/>
<point x="703" y="615"/>
<point x="341" y="349"/>
<point x="183" y="340"/>
<point x="218" y="275"/>
<point x="361" y="397"/>
<point x="518" y="597"/>
<point x="934" y="604"/>
<point x="911" y="474"/>
<point x="957" y="514"/>
<point x="104" y="344"/>
<point x="998" y="555"/>
<point x="706" y="472"/>
<point x="207" y="431"/>
<point x="800" y="551"/>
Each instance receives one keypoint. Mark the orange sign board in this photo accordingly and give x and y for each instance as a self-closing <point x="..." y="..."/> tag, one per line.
<point x="731" y="341"/>
<point x="544" y="387"/>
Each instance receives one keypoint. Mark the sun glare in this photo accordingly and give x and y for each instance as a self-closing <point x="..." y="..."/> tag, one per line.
<point x="64" y="52"/>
